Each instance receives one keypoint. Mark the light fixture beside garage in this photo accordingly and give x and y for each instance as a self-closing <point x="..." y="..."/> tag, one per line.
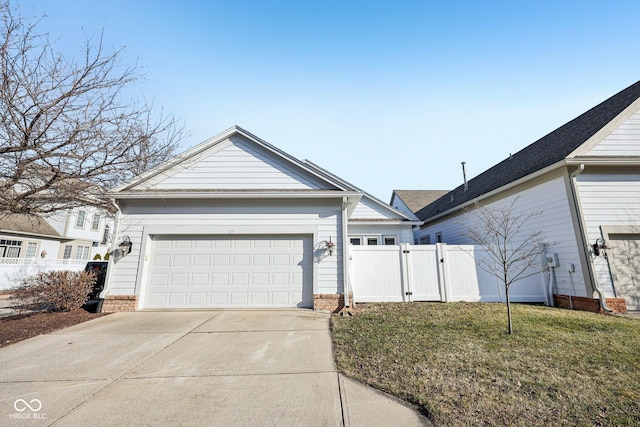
<point x="330" y="246"/>
<point x="125" y="246"/>
<point x="600" y="245"/>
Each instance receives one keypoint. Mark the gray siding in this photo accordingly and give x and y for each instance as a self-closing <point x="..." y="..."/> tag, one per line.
<point x="550" y="198"/>
<point x="608" y="199"/>
<point x="624" y="141"/>
<point x="232" y="165"/>
<point x="321" y="217"/>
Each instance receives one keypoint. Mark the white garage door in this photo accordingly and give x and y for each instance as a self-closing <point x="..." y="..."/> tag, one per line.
<point x="222" y="272"/>
<point x="624" y="259"/>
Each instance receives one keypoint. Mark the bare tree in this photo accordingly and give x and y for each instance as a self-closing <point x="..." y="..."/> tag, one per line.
<point x="513" y="251"/>
<point x="67" y="128"/>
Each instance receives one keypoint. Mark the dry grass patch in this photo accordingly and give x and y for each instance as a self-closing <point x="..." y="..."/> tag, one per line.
<point x="457" y="362"/>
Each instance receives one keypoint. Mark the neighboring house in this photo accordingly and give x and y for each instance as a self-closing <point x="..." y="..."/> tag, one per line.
<point x="27" y="236"/>
<point x="236" y="222"/>
<point x="77" y="234"/>
<point x="411" y="201"/>
<point x="585" y="179"/>
<point x="87" y="230"/>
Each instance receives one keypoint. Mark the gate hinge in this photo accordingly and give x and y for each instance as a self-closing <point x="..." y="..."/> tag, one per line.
<point x="408" y="293"/>
<point x="405" y="251"/>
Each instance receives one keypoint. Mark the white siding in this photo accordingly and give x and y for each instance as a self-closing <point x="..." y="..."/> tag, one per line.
<point x="368" y="209"/>
<point x="64" y="222"/>
<point x="608" y="199"/>
<point x="403" y="233"/>
<point x="321" y="217"/>
<point x="236" y="164"/>
<point x="550" y="198"/>
<point x="624" y="141"/>
<point x="398" y="204"/>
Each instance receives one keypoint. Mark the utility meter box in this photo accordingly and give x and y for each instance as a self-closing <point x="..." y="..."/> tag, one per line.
<point x="552" y="259"/>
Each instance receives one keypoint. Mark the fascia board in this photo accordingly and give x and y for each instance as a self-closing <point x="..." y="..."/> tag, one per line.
<point x="604" y="161"/>
<point x="236" y="195"/>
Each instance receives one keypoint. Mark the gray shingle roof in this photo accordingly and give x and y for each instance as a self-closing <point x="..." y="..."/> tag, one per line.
<point x="24" y="223"/>
<point x="418" y="199"/>
<point x="546" y="151"/>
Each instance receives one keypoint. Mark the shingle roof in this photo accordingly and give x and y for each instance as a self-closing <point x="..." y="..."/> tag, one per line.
<point x="24" y="223"/>
<point x="546" y="151"/>
<point x="418" y="199"/>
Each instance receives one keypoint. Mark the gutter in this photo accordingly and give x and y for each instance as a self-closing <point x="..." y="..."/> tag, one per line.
<point x="583" y="233"/>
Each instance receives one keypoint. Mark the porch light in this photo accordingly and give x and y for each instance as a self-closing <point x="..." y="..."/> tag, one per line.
<point x="330" y="246"/>
<point x="125" y="246"/>
<point x="600" y="245"/>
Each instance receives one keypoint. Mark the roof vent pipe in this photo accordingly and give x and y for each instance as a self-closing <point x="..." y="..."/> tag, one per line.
<point x="464" y="176"/>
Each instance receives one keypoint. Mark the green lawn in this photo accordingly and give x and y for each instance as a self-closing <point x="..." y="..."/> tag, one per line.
<point x="457" y="362"/>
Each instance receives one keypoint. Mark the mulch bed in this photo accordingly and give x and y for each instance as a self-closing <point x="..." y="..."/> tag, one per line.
<point x="22" y="326"/>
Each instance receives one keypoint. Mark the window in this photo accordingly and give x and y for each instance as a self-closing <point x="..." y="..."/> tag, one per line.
<point x="372" y="241"/>
<point x="82" y="252"/>
<point x="31" y="250"/>
<point x="67" y="252"/>
<point x="95" y="224"/>
<point x="355" y="241"/>
<point x="389" y="240"/>
<point x="439" y="237"/>
<point x="13" y="252"/>
<point x="10" y="248"/>
<point x="80" y="219"/>
<point x="425" y="240"/>
<point x="105" y="236"/>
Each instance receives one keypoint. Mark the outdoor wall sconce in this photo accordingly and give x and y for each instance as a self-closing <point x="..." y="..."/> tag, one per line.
<point x="125" y="246"/>
<point x="330" y="246"/>
<point x="600" y="245"/>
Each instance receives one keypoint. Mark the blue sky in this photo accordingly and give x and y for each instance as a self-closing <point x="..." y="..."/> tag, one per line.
<point x="387" y="95"/>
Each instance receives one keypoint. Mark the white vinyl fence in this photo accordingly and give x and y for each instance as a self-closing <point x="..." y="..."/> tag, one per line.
<point x="14" y="270"/>
<point x="439" y="272"/>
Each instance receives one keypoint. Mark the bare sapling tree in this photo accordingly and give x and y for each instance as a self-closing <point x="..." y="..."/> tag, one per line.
<point x="68" y="130"/>
<point x="513" y="249"/>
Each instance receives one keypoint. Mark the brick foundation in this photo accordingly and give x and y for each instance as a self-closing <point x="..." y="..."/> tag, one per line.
<point x="117" y="303"/>
<point x="332" y="302"/>
<point x="618" y="305"/>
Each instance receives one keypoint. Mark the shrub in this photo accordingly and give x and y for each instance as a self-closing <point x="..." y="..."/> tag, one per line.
<point x="54" y="290"/>
<point x="97" y="257"/>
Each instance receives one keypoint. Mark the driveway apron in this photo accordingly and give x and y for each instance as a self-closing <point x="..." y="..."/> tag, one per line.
<point x="208" y="368"/>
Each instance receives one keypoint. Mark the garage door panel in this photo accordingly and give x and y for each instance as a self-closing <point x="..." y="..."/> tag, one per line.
<point x="210" y="271"/>
<point x="201" y="260"/>
<point x="197" y="298"/>
<point x="222" y="260"/>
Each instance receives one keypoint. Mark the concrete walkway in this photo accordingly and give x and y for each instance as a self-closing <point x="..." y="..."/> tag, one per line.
<point x="251" y="368"/>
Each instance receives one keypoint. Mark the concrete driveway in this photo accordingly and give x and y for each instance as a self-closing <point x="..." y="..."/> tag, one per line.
<point x="189" y="368"/>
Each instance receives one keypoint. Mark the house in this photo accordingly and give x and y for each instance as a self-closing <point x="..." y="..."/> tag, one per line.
<point x="237" y="222"/>
<point x="411" y="201"/>
<point x="64" y="240"/>
<point x="79" y="233"/>
<point x="585" y="179"/>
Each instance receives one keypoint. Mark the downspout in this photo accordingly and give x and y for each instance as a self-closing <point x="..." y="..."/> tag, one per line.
<point x="583" y="233"/>
<point x="346" y="283"/>
<point x="112" y="261"/>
